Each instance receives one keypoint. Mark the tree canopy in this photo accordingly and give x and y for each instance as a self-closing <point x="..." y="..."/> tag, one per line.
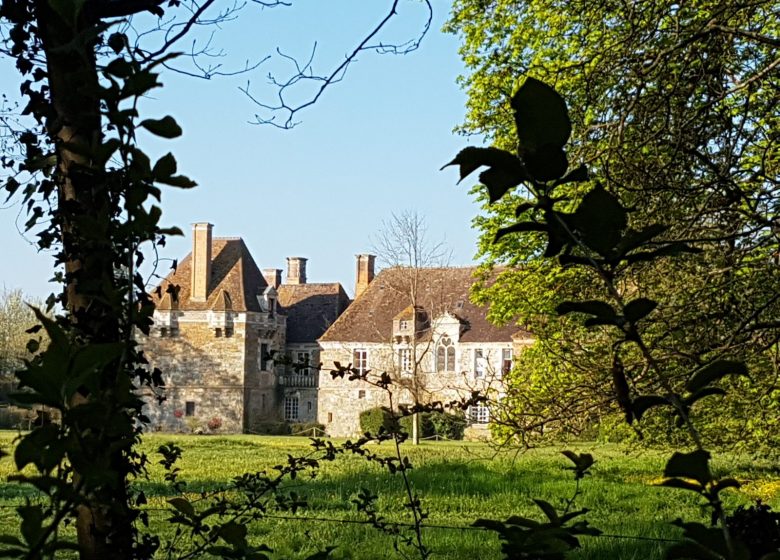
<point x="674" y="108"/>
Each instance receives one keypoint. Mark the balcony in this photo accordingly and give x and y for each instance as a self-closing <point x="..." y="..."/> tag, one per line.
<point x="298" y="380"/>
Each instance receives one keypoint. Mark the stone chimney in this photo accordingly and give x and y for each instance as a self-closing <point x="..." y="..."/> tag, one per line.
<point x="365" y="273"/>
<point x="201" y="261"/>
<point x="273" y="277"/>
<point x="296" y="270"/>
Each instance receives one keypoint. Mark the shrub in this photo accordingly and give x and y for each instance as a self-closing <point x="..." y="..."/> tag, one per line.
<point x="13" y="418"/>
<point x="375" y="419"/>
<point x="192" y="423"/>
<point x="446" y="425"/>
<point x="442" y="424"/>
<point x="214" y="424"/>
<point x="306" y="429"/>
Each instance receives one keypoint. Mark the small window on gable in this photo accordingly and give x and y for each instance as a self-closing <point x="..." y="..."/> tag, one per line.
<point x="403" y="325"/>
<point x="445" y="354"/>
<point x="189" y="408"/>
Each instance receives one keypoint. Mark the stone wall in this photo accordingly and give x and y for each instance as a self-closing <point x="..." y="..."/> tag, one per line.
<point x="341" y="400"/>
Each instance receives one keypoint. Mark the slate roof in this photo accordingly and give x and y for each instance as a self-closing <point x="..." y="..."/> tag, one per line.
<point x="235" y="280"/>
<point x="311" y="309"/>
<point x="370" y="317"/>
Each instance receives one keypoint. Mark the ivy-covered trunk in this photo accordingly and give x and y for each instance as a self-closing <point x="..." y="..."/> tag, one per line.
<point x="85" y="210"/>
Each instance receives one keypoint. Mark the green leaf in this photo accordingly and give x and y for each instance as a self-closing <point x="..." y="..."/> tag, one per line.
<point x="600" y="309"/>
<point x="639" y="308"/>
<point x="165" y="167"/>
<point x="693" y="465"/>
<point x="233" y="533"/>
<point x="548" y="510"/>
<point x="165" y="127"/>
<point x="600" y="220"/>
<point x="701" y="393"/>
<point x="541" y="117"/>
<point x="681" y="484"/>
<point x="504" y="172"/>
<point x="642" y="404"/>
<point x="724" y="483"/>
<point x="184" y="506"/>
<point x="577" y="175"/>
<point x="117" y="41"/>
<point x="32" y="522"/>
<point x="178" y="181"/>
<point x="714" y="371"/>
<point x="548" y="163"/>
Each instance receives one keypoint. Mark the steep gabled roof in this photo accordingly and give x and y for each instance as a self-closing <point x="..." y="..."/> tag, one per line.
<point x="311" y="309"/>
<point x="235" y="280"/>
<point x="370" y="317"/>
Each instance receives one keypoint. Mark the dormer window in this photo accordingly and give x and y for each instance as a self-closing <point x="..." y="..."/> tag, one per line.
<point x="445" y="354"/>
<point x="271" y="307"/>
<point x="403" y="325"/>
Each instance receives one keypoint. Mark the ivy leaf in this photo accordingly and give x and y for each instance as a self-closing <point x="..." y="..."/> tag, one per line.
<point x="693" y="465"/>
<point x="541" y="117"/>
<point x="714" y="371"/>
<point x="639" y="308"/>
<point x="504" y="172"/>
<point x="165" y="127"/>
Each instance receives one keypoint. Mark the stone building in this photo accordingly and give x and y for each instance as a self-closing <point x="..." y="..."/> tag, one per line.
<point x="221" y="326"/>
<point x="419" y="326"/>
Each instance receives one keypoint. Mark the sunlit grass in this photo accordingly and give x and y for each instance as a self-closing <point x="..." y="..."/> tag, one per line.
<point x="458" y="483"/>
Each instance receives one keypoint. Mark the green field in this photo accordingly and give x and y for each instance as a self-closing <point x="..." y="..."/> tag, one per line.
<point x="458" y="484"/>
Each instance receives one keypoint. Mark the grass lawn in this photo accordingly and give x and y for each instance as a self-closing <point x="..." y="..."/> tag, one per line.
<point x="457" y="482"/>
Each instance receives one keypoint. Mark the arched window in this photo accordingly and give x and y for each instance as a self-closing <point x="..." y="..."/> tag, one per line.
<point x="445" y="355"/>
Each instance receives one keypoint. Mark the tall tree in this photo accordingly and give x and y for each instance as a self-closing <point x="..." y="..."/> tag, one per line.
<point x="403" y="242"/>
<point x="674" y="107"/>
<point x="90" y="191"/>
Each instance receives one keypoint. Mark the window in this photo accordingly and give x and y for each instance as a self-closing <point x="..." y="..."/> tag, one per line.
<point x="262" y="402"/>
<point x="506" y="360"/>
<point x="445" y="355"/>
<point x="291" y="408"/>
<point x="302" y="363"/>
<point x="361" y="394"/>
<point x="405" y="360"/>
<point x="403" y="325"/>
<point x="360" y="360"/>
<point x="189" y="408"/>
<point x="479" y="414"/>
<point x="174" y="332"/>
<point x="264" y="356"/>
<point x="228" y="331"/>
<point x="163" y="332"/>
<point x="330" y="417"/>
<point x="480" y="364"/>
<point x="308" y="406"/>
<point x="218" y="332"/>
<point x="271" y="307"/>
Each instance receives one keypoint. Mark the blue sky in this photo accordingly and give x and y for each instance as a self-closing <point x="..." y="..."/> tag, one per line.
<point x="372" y="145"/>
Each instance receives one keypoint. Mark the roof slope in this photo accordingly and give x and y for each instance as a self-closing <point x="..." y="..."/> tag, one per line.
<point x="370" y="317"/>
<point x="311" y="309"/>
<point x="235" y="280"/>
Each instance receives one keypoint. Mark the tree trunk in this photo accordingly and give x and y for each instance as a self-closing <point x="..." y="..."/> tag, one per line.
<point x="84" y="209"/>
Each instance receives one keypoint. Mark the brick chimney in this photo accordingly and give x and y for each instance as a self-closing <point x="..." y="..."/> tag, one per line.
<point x="365" y="273"/>
<point x="296" y="270"/>
<point x="201" y="261"/>
<point x="273" y="277"/>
